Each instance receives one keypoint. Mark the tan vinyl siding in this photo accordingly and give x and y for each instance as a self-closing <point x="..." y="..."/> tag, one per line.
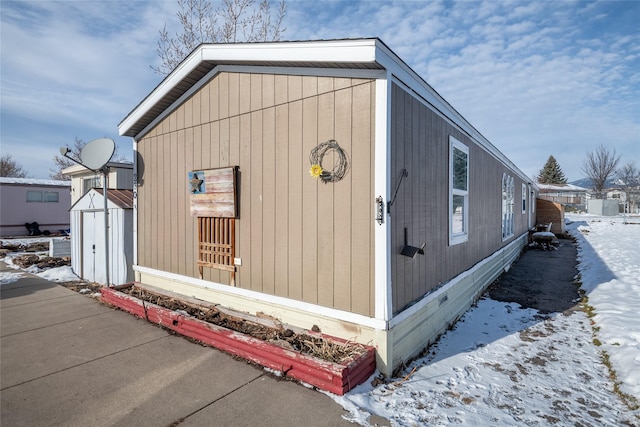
<point x="297" y="237"/>
<point x="420" y="144"/>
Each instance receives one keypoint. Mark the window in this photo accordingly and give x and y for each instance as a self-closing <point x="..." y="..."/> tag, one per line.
<point x="507" y="206"/>
<point x="458" y="192"/>
<point x="89" y="183"/>
<point x="51" y="197"/>
<point x="34" y="196"/>
<point x="524" y="199"/>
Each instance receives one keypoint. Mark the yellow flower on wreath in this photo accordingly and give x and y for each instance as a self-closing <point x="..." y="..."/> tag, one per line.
<point x="316" y="171"/>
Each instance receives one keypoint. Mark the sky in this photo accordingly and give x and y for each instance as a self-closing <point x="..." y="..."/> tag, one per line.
<point x="535" y="78"/>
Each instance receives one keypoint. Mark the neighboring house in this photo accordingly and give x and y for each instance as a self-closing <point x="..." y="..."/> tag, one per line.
<point x="25" y="200"/>
<point x="418" y="214"/>
<point x="87" y="239"/>
<point x="82" y="179"/>
<point x="618" y="195"/>
<point x="566" y="194"/>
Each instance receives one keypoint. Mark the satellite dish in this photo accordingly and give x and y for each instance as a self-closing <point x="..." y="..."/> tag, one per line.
<point x="95" y="154"/>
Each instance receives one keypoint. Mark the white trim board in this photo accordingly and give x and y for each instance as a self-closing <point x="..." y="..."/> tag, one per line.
<point x="270" y="299"/>
<point x="437" y="293"/>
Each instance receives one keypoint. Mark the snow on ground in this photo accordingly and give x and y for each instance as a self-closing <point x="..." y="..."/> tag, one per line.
<point x="609" y="264"/>
<point x="504" y="365"/>
<point x="58" y="274"/>
<point x="9" y="277"/>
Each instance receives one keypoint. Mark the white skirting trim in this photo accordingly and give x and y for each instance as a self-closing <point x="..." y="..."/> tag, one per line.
<point x="299" y="306"/>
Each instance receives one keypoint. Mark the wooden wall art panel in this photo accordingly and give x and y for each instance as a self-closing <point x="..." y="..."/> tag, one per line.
<point x="213" y="192"/>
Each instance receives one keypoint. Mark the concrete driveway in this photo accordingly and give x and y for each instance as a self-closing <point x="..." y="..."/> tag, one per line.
<point x="65" y="359"/>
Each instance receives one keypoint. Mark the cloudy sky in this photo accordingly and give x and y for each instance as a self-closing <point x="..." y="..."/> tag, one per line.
<point x="536" y="78"/>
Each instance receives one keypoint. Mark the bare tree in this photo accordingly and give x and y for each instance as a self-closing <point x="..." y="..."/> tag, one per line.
<point x="10" y="168"/>
<point x="234" y="21"/>
<point x="599" y="165"/>
<point x="629" y="177"/>
<point x="61" y="162"/>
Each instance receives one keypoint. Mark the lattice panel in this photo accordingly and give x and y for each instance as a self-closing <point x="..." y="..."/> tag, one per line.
<point x="216" y="243"/>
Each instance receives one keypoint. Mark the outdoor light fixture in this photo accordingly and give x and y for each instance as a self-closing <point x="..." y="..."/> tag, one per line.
<point x="411" y="251"/>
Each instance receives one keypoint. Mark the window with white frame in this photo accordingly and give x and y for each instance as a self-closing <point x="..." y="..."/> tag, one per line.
<point x="524" y="198"/>
<point x="458" y="192"/>
<point x="507" y="206"/>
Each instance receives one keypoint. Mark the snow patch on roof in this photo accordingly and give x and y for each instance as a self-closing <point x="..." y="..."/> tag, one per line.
<point x="32" y="181"/>
<point x="560" y="187"/>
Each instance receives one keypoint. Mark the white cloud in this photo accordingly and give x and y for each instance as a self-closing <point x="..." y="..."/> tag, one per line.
<point x="536" y="78"/>
<point x="73" y="69"/>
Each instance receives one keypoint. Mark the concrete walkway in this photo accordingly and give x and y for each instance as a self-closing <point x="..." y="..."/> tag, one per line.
<point x="65" y="359"/>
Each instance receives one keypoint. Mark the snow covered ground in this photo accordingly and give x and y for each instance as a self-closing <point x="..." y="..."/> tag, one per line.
<point x="504" y="365"/>
<point x="59" y="274"/>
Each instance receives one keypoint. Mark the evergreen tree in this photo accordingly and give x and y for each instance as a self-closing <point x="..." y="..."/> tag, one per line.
<point x="551" y="173"/>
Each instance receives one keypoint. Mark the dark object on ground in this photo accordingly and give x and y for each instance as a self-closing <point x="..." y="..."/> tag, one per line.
<point x="544" y="280"/>
<point x="33" y="228"/>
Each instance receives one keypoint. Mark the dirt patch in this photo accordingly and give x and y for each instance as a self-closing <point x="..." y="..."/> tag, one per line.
<point x="26" y="261"/>
<point x="82" y="287"/>
<point x="315" y="346"/>
<point x="33" y="255"/>
<point x="7" y="246"/>
<point x="541" y="279"/>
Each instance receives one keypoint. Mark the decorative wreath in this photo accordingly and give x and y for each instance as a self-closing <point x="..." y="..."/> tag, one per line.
<point x="340" y="166"/>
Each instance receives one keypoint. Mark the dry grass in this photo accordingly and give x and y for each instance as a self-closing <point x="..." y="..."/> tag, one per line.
<point x="316" y="346"/>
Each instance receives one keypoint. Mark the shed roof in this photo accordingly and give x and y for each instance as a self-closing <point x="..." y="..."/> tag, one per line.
<point x="121" y="198"/>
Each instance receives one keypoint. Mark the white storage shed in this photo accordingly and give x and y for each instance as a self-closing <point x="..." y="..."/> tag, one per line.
<point x="87" y="236"/>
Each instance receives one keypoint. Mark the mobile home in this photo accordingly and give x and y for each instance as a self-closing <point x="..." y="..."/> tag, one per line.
<point x="27" y="201"/>
<point x="322" y="183"/>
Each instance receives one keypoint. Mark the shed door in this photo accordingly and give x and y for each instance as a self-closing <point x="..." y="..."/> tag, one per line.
<point x="93" y="262"/>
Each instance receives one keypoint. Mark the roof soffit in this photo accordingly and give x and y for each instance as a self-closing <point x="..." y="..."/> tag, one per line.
<point x="350" y="55"/>
<point x="339" y="54"/>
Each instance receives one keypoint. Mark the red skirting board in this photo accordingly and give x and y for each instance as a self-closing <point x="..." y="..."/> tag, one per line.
<point x="337" y="378"/>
